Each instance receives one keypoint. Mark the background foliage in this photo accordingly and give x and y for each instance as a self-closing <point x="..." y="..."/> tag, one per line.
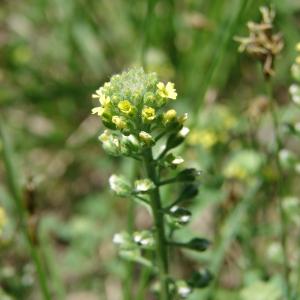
<point x="54" y="54"/>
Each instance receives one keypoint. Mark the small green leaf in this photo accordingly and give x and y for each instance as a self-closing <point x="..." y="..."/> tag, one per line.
<point x="123" y="240"/>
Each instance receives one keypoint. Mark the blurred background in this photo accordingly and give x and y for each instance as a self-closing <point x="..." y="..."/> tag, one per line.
<point x="55" y="54"/>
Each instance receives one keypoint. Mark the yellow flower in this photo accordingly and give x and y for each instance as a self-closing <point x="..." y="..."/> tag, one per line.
<point x="298" y="47"/>
<point x="167" y="91"/>
<point x="98" y="93"/>
<point x="145" y="137"/>
<point x="169" y="116"/>
<point x="98" y="110"/>
<point x="104" y="100"/>
<point x="2" y="218"/>
<point x="148" y="113"/>
<point x="298" y="60"/>
<point x="119" y="122"/>
<point x="125" y="107"/>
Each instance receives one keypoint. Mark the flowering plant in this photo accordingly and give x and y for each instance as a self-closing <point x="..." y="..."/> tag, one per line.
<point x="133" y="109"/>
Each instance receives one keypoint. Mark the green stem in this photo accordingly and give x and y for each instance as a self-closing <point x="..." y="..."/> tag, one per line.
<point x="158" y="215"/>
<point x="22" y="214"/>
<point x="280" y="185"/>
<point x="145" y="275"/>
<point x="127" y="290"/>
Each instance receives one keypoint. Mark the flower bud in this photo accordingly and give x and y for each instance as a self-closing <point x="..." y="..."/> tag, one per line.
<point x="119" y="122"/>
<point x="143" y="185"/>
<point x="148" y="113"/>
<point x="295" y="93"/>
<point x="184" y="132"/>
<point x="120" y="185"/>
<point x="173" y="161"/>
<point x="183" y="289"/>
<point x="146" y="138"/>
<point x="144" y="239"/>
<point x="179" y="216"/>
<point x="131" y="142"/>
<point x="169" y="116"/>
<point x="126" y="107"/>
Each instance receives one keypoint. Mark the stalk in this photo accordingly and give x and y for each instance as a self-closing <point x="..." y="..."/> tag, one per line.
<point x="127" y="284"/>
<point x="144" y="278"/>
<point x="158" y="216"/>
<point x="283" y="221"/>
<point x="22" y="214"/>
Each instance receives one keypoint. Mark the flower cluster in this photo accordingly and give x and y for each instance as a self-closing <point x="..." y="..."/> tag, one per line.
<point x="132" y="108"/>
<point x="262" y="43"/>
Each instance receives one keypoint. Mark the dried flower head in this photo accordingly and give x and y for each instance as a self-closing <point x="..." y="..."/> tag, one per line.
<point x="262" y="43"/>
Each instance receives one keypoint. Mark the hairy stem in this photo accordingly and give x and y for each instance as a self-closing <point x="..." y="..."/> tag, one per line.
<point x="158" y="216"/>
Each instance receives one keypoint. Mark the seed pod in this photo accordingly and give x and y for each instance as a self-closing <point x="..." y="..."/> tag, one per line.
<point x="198" y="244"/>
<point x="200" y="279"/>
